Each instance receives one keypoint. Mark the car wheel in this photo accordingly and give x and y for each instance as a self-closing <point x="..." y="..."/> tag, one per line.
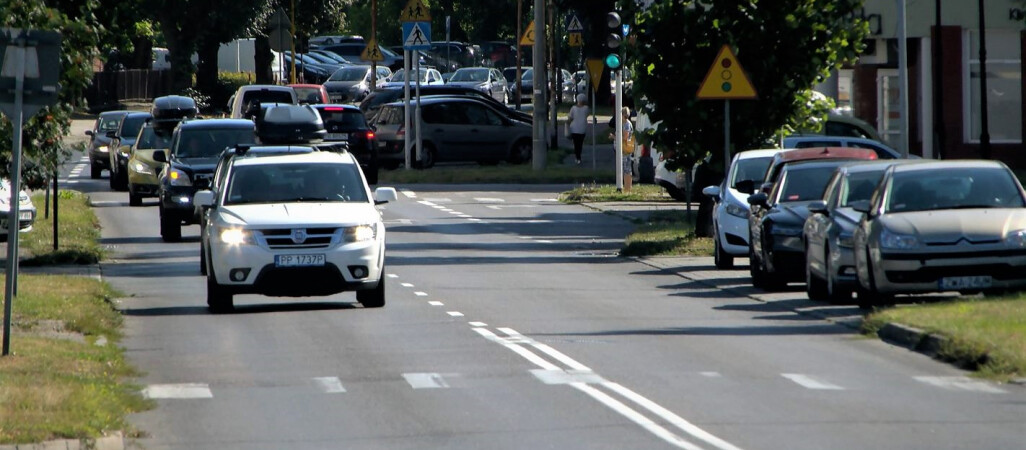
<point x="203" y="258"/>
<point x="134" y="200"/>
<point x="521" y="152"/>
<point x="111" y="180"/>
<point x="505" y="97"/>
<point x="95" y="171"/>
<point x="427" y="160"/>
<point x="373" y="298"/>
<point x="869" y="298"/>
<point x="675" y="192"/>
<point x="170" y="228"/>
<point x="755" y="268"/>
<point x="219" y="299"/>
<point x="722" y="259"/>
<point x="815" y="287"/>
<point x="121" y="179"/>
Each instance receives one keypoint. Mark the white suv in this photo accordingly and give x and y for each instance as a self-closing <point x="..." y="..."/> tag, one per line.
<point x="294" y="225"/>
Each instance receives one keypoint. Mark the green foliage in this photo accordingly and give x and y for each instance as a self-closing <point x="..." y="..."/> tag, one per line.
<point x="41" y="144"/>
<point x="227" y="84"/>
<point x="785" y="47"/>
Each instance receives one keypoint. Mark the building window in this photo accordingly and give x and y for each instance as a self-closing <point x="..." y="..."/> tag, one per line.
<point x="1004" y="87"/>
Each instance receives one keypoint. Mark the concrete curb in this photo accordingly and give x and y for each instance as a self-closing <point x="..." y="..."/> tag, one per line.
<point x="912" y="338"/>
<point x="113" y="442"/>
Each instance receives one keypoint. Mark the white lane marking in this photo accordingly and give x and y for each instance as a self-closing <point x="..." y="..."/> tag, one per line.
<point x="961" y="383"/>
<point x="544" y="241"/>
<point x="438" y="199"/>
<point x="545" y="348"/>
<point x="560" y="376"/>
<point x="420" y="294"/>
<point x="445" y="210"/>
<point x="474" y="220"/>
<point x="425" y="380"/>
<point x="409" y="194"/>
<point x="455" y="213"/>
<point x="478" y="324"/>
<point x="330" y="385"/>
<point x="551" y="370"/>
<point x="711" y="374"/>
<point x="392" y="275"/>
<point x="178" y="391"/>
<point x="811" y="383"/>
<point x="540" y="200"/>
<point x="436" y="303"/>
<point x="455" y="313"/>
<point x="406" y="285"/>
<point x="426" y="203"/>
<point x="489" y="200"/>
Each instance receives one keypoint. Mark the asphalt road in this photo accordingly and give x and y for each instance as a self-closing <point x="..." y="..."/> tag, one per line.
<point x="510" y="324"/>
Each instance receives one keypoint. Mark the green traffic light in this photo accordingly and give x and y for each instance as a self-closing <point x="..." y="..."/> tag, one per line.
<point x="613" y="61"/>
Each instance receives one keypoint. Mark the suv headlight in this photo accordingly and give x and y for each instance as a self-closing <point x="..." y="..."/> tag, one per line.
<point x="361" y="233"/>
<point x="178" y="178"/>
<point x="897" y="241"/>
<point x="736" y="210"/>
<point x="1016" y="238"/>
<point x="101" y="148"/>
<point x="236" y="236"/>
<point x="142" y="168"/>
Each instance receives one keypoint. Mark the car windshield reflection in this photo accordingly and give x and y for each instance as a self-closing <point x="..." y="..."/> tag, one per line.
<point x="295" y="183"/>
<point x="953" y="189"/>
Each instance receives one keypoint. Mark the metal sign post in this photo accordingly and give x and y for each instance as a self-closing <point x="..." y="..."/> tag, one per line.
<point x="29" y="74"/>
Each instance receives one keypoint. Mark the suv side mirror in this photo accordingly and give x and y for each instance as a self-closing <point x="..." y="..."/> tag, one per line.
<point x="160" y="156"/>
<point x="861" y="206"/>
<point x="385" y="195"/>
<point x="204" y="198"/>
<point x="758" y="199"/>
<point x="818" y="207"/>
<point x="112" y="134"/>
<point x="712" y="191"/>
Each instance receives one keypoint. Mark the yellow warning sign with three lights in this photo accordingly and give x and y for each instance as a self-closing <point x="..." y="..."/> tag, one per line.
<point x="726" y="80"/>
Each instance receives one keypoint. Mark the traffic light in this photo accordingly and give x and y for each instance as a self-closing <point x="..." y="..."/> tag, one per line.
<point x="613" y="41"/>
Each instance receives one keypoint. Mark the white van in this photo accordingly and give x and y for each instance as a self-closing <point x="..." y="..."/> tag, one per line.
<point x="259" y="93"/>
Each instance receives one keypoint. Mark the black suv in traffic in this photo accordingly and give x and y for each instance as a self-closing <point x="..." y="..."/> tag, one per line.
<point x="196" y="146"/>
<point x="346" y="123"/>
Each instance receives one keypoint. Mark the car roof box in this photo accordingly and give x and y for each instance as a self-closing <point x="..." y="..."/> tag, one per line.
<point x="172" y="109"/>
<point x="289" y="124"/>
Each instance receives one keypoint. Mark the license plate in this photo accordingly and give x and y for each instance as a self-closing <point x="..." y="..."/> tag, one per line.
<point x="337" y="136"/>
<point x="25" y="215"/>
<point x="298" y="260"/>
<point x="969" y="282"/>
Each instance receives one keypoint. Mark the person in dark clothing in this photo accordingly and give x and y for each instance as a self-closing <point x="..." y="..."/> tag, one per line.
<point x="707" y="173"/>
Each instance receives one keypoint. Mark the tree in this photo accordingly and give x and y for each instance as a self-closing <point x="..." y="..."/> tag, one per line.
<point x="785" y="48"/>
<point x="41" y="138"/>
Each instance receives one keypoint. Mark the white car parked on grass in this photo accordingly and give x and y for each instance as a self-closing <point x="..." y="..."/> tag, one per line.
<point x="730" y="216"/>
<point x="26" y="210"/>
<point x="294" y="225"/>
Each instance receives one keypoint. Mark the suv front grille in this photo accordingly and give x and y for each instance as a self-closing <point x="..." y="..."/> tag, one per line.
<point x="286" y="238"/>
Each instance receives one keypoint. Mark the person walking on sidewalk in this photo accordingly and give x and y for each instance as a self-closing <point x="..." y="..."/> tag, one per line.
<point x="577" y="125"/>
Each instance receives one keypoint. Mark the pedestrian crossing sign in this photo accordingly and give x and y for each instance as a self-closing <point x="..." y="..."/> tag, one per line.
<point x="575" y="25"/>
<point x="576" y="39"/>
<point x="372" y="52"/>
<point x="415" y="11"/>
<point x="417" y="35"/>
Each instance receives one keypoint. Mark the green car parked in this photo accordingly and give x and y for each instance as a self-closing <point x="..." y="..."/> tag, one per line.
<point x="143" y="171"/>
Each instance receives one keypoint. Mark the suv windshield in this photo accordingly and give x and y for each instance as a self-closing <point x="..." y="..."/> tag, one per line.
<point x="110" y="122"/>
<point x="153" y="139"/>
<point x="804" y="184"/>
<point x="132" y="125"/>
<point x="349" y="74"/>
<point x="470" y="75"/>
<point x="210" y="142"/>
<point x="750" y="169"/>
<point x="295" y="182"/>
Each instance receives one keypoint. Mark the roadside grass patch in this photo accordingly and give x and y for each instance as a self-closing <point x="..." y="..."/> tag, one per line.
<point x="666" y="233"/>
<point x="988" y="335"/>
<point x="503" y="173"/>
<point x="594" y="192"/>
<point x="59" y="382"/>
<point x="78" y="233"/>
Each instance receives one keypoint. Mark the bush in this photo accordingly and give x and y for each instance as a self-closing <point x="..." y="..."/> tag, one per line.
<point x="227" y="84"/>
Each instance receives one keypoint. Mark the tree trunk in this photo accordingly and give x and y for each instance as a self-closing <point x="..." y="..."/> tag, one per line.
<point x="206" y="73"/>
<point x="180" y="46"/>
<point x="142" y="57"/>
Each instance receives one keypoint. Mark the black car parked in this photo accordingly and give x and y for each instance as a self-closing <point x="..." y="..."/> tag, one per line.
<point x="99" y="142"/>
<point x="196" y="146"/>
<point x="121" y="143"/>
<point x="346" y="123"/>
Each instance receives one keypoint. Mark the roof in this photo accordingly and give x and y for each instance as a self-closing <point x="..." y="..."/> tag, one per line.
<point x="824" y="153"/>
<point x="757" y="153"/>
<point x="312" y="157"/>
<point x="951" y="164"/>
<point x="138" y="114"/>
<point x="344" y="106"/>
<point x="873" y="166"/>
<point x="119" y="112"/>
<point x="264" y="87"/>
<point x="210" y="124"/>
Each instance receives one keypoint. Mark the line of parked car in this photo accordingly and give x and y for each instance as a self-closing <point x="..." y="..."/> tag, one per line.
<point x="850" y="220"/>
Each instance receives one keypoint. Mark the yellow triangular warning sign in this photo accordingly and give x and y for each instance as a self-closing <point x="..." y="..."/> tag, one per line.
<point x="372" y="52"/>
<point x="528" y="37"/>
<point x="726" y="80"/>
<point x="595" y="67"/>
<point x="415" y="11"/>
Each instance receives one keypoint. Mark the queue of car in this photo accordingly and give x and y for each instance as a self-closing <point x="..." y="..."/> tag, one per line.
<point x="858" y="220"/>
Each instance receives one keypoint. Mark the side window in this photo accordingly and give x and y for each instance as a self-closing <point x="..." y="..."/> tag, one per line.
<point x="454" y="114"/>
<point x="480" y="115"/>
<point x="880" y="152"/>
<point x="810" y="144"/>
<point x="835" y="189"/>
<point x="433" y="114"/>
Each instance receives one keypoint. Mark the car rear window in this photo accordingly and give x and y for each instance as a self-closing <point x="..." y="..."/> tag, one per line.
<point x="205" y="143"/>
<point x="390" y="115"/>
<point x="345" y="118"/>
<point x="132" y="125"/>
<point x="274" y="96"/>
<point x="804" y="184"/>
<point x="152" y="138"/>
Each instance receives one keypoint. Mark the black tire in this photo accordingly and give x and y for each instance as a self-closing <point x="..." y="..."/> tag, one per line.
<point x="834" y="292"/>
<point x="219" y="299"/>
<point x="134" y="200"/>
<point x="428" y="158"/>
<point x="121" y="180"/>
<point x="95" y="171"/>
<point x="815" y="287"/>
<point x="203" y="258"/>
<point x="755" y="269"/>
<point x="373" y="298"/>
<point x="521" y="152"/>
<point x="111" y="181"/>
<point x="723" y="260"/>
<point x="870" y="298"/>
<point x="170" y="228"/>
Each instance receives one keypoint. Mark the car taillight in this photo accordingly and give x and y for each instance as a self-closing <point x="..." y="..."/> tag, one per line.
<point x="370" y="135"/>
<point x="401" y="131"/>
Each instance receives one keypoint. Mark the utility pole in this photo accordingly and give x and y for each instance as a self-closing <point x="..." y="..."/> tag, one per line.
<point x="984" y="132"/>
<point x="516" y="82"/>
<point x="374" y="37"/>
<point x="292" y="77"/>
<point x="540" y="82"/>
<point x="938" y="85"/>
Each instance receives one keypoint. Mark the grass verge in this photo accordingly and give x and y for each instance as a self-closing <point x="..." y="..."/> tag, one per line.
<point x="988" y="335"/>
<point x="65" y="376"/>
<point x="666" y="233"/>
<point x="593" y="192"/>
<point x="78" y="233"/>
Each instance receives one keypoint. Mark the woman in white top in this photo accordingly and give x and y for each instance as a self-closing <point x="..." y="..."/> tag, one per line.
<point x="578" y="124"/>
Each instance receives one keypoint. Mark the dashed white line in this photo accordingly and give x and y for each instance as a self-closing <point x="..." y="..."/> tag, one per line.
<point x="474" y="220"/>
<point x="810" y="382"/>
<point x="178" y="391"/>
<point x="392" y="275"/>
<point x="711" y="374"/>
<point x="409" y="194"/>
<point x="330" y="385"/>
<point x="420" y="294"/>
<point x="541" y="200"/>
<point x="477" y="324"/>
<point x="406" y="285"/>
<point x="489" y="200"/>
<point x="425" y="380"/>
<point x="961" y="383"/>
<point x="455" y="313"/>
<point x="544" y="241"/>
<point x="436" y="303"/>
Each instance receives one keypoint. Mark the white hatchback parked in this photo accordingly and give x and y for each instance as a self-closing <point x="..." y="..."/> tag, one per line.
<point x="294" y="225"/>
